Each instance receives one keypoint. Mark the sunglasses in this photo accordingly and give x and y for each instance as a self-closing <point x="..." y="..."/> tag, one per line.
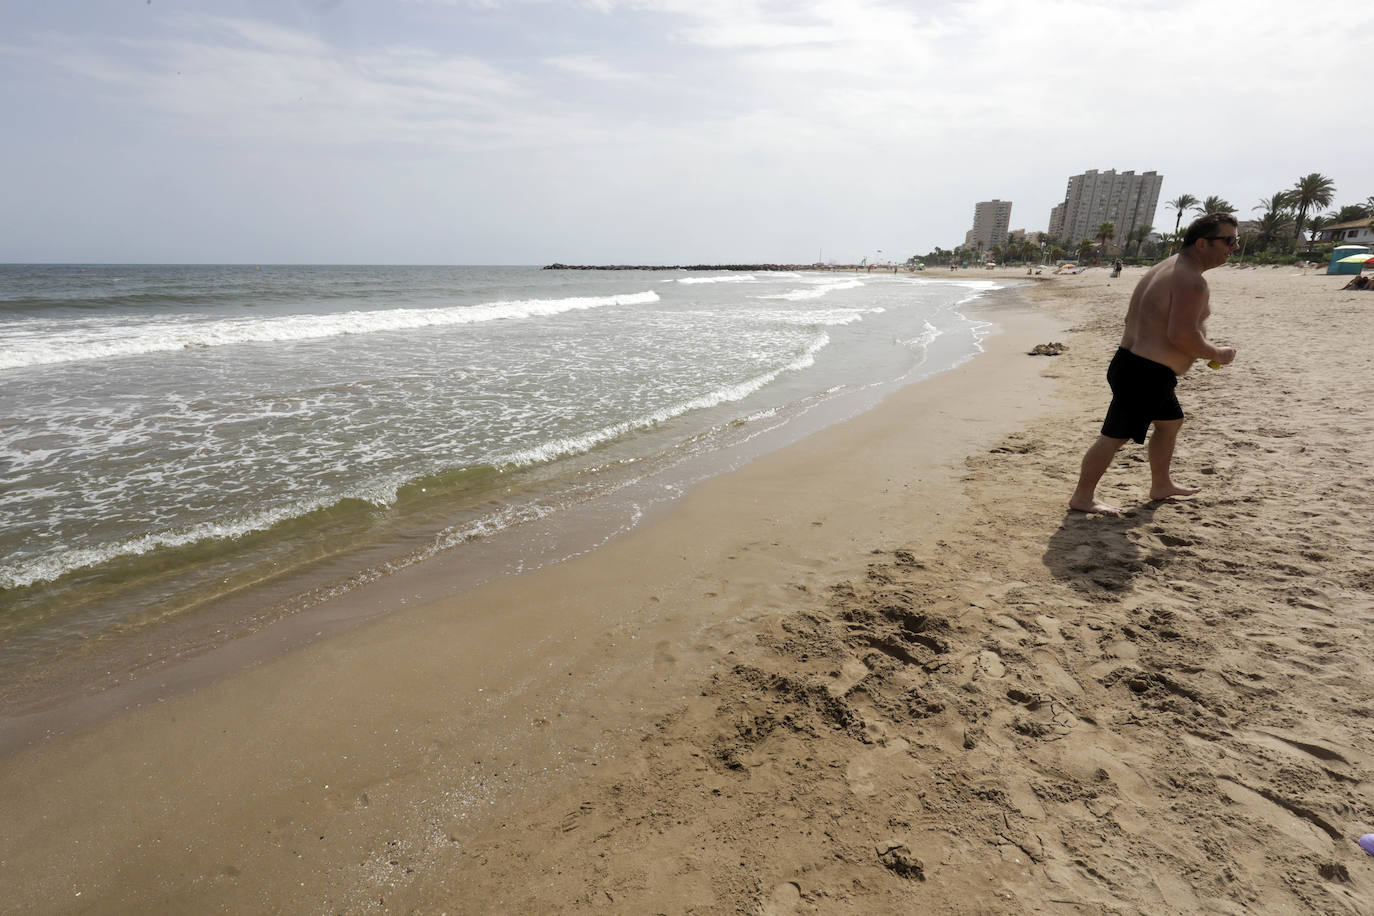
<point x="1232" y="240"/>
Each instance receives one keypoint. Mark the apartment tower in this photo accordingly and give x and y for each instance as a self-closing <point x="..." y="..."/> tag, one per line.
<point x="990" y="221"/>
<point x="1126" y="201"/>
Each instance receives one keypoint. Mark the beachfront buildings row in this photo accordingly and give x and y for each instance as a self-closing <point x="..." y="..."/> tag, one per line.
<point x="1125" y="200"/>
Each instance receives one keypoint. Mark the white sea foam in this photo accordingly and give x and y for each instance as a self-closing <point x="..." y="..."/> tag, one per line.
<point x="809" y="318"/>
<point x="58" y="563"/>
<point x="574" y="445"/>
<point x="60" y="343"/>
<point x="923" y="340"/>
<point x="488" y="525"/>
<point x="982" y="286"/>
<point x="817" y="316"/>
<point x="734" y="278"/>
<point x="816" y="291"/>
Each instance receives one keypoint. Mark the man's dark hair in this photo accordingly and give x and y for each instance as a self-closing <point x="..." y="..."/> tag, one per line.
<point x="1207" y="225"/>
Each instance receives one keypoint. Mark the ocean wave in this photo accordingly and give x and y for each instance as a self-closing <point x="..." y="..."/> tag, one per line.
<point x="816" y="316"/>
<point x="980" y="285"/>
<point x="734" y="278"/>
<point x="57" y="563"/>
<point x="816" y="291"/>
<point x="576" y="445"/>
<point x="63" y="343"/>
<point x="923" y="340"/>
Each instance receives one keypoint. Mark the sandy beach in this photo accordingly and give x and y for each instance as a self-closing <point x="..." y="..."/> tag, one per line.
<point x="883" y="670"/>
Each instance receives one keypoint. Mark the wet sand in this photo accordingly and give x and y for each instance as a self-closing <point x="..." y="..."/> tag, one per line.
<point x="883" y="670"/>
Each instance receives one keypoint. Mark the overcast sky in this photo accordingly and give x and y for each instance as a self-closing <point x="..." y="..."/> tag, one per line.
<point x="648" y="131"/>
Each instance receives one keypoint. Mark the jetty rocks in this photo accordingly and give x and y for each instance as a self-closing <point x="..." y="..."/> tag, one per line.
<point x="685" y="267"/>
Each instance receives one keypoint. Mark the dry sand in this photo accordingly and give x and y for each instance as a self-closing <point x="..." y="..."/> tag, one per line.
<point x="880" y="671"/>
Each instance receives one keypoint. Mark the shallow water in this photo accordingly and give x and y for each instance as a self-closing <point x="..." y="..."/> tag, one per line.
<point x="172" y="435"/>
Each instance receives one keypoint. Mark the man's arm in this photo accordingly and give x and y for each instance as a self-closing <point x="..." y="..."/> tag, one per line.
<point x="1187" y="312"/>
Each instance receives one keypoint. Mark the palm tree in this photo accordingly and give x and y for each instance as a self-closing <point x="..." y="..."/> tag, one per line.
<point x="1317" y="224"/>
<point x="1181" y="203"/>
<point x="1279" y="202"/>
<point x="1138" y="235"/>
<point x="1105" y="233"/>
<point x="1085" y="248"/>
<point x="1311" y="191"/>
<point x="1216" y="204"/>
<point x="1347" y="214"/>
<point x="1273" y="226"/>
<point x="1276" y="219"/>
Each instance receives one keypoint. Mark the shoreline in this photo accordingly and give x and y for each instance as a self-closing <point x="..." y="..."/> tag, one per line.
<point x="257" y="623"/>
<point x="794" y="268"/>
<point x="880" y="670"/>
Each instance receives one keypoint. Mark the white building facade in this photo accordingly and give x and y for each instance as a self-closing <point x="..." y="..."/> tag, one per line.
<point x="1358" y="232"/>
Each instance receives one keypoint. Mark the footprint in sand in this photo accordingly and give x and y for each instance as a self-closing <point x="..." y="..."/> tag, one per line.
<point x="1054" y="676"/>
<point x="1052" y="627"/>
<point x="868" y="766"/>
<point x="990" y="664"/>
<point x="1264" y="811"/>
<point x="851" y="673"/>
<point x="784" y="901"/>
<point x="1320" y="751"/>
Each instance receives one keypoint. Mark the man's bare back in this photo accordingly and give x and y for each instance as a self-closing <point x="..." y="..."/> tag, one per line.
<point x="1166" y="320"/>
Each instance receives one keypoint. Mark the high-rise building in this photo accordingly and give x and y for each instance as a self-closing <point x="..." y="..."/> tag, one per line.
<point x="1126" y="201"/>
<point x="990" y="221"/>
<point x="1056" y="221"/>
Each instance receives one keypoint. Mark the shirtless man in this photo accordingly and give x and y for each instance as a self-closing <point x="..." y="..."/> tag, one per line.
<point x="1166" y="331"/>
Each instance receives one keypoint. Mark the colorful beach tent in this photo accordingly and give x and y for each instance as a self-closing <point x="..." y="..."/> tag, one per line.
<point x="1357" y="259"/>
<point x="1341" y="262"/>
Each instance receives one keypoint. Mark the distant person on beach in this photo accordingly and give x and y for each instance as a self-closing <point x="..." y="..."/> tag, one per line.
<point x="1166" y="331"/>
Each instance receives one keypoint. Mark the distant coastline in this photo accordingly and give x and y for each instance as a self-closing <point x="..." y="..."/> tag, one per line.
<point x="740" y="267"/>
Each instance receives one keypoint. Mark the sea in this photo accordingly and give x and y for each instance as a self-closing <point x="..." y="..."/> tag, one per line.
<point x="241" y="443"/>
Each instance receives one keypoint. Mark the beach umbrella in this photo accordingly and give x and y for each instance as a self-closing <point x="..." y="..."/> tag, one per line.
<point x="1357" y="259"/>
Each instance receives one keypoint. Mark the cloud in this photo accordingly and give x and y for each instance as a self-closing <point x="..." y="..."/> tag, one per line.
<point x="589" y="67"/>
<point x="247" y="79"/>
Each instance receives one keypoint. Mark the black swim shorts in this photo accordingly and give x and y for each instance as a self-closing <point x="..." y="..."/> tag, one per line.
<point x="1142" y="392"/>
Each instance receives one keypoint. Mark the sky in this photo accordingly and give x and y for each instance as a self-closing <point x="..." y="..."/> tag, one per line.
<point x="643" y="131"/>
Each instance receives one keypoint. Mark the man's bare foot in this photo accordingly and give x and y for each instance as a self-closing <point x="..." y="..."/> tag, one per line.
<point x="1172" y="490"/>
<point x="1092" y="506"/>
